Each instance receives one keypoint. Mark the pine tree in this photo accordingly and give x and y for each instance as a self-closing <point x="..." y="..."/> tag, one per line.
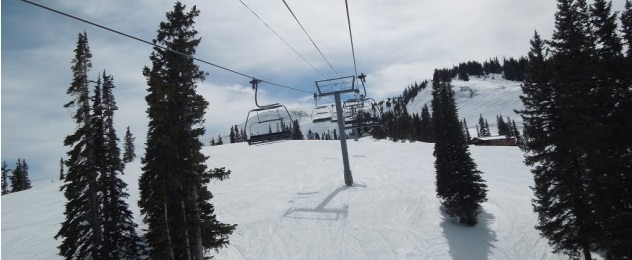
<point x="244" y="136"/>
<point x="232" y="135"/>
<point x="129" y="153"/>
<point x="515" y="132"/>
<point x="5" y="184"/>
<point x="556" y="97"/>
<point x="459" y="183"/>
<point x="17" y="177"/>
<point x="426" y="125"/>
<point x="81" y="229"/>
<point x="610" y="153"/>
<point x="626" y="29"/>
<point x="297" y="134"/>
<point x="120" y="240"/>
<point x="503" y="127"/>
<point x="219" y="140"/>
<point x="61" y="169"/>
<point x="174" y="199"/>
<point x="20" y="179"/>
<point x="483" y="127"/>
<point x="466" y="131"/>
<point x="572" y="49"/>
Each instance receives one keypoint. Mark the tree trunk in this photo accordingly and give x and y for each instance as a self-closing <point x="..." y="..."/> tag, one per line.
<point x="187" y="243"/>
<point x="166" y="217"/>
<point x="198" y="250"/>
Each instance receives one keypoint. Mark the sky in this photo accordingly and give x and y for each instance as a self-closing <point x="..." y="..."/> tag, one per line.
<point x="396" y="43"/>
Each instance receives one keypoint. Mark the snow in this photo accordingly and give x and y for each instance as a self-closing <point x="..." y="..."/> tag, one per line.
<point x="290" y="202"/>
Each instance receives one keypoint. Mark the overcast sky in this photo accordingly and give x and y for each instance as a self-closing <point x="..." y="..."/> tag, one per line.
<point x="396" y="43"/>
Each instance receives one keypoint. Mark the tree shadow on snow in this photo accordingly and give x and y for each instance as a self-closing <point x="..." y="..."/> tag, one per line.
<point x="469" y="242"/>
<point x="321" y="212"/>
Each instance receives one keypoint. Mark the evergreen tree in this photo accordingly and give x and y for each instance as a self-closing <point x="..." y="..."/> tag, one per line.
<point x="174" y="199"/>
<point x="219" y="140"/>
<point x="515" y="131"/>
<point x="459" y="184"/>
<point x="61" y="169"/>
<point x="610" y="153"/>
<point x="335" y="135"/>
<point x="129" y="153"/>
<point x="120" y="240"/>
<point x="5" y="184"/>
<point x="572" y="81"/>
<point x="503" y="127"/>
<point x="232" y="135"/>
<point x="626" y="29"/>
<point x="466" y="130"/>
<point x="81" y="229"/>
<point x="17" y="178"/>
<point x="556" y="99"/>
<point x="426" y="125"/>
<point x="483" y="127"/>
<point x="244" y="136"/>
<point x="297" y="134"/>
<point x="212" y="141"/>
<point x="20" y="179"/>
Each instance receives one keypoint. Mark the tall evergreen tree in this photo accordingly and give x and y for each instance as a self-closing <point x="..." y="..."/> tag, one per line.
<point x="5" y="184"/>
<point x="466" y="131"/>
<point x="557" y="94"/>
<point x="17" y="179"/>
<point x="61" y="169"/>
<point x="297" y="134"/>
<point x="120" y="240"/>
<point x="459" y="184"/>
<point x="232" y="135"/>
<point x="610" y="152"/>
<point x="81" y="229"/>
<point x="174" y="199"/>
<point x="483" y="127"/>
<point x="129" y="153"/>
<point x="626" y="28"/>
<point x="426" y="125"/>
<point x="503" y="127"/>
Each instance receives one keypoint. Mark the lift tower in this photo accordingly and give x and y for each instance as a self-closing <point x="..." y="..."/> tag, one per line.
<point x="336" y="87"/>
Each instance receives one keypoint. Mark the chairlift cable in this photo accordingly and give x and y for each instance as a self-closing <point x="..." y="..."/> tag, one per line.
<point x="351" y="37"/>
<point x="310" y="38"/>
<point x="155" y="45"/>
<point x="286" y="43"/>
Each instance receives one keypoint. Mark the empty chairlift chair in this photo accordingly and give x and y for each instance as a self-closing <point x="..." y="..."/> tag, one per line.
<point x="321" y="113"/>
<point x="268" y="124"/>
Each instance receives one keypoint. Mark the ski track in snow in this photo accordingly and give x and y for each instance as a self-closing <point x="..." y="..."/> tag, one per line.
<point x="290" y="202"/>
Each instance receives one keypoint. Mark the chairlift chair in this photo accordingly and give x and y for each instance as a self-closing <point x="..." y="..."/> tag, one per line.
<point x="362" y="113"/>
<point x="265" y="116"/>
<point x="321" y="113"/>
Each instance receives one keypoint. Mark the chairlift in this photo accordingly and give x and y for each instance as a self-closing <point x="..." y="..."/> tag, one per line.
<point x="321" y="113"/>
<point x="269" y="126"/>
<point x="362" y="113"/>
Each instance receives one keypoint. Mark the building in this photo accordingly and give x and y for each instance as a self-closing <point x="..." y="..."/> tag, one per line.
<point x="499" y="140"/>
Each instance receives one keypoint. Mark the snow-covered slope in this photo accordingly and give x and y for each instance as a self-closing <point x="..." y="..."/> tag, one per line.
<point x="487" y="96"/>
<point x="290" y="202"/>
